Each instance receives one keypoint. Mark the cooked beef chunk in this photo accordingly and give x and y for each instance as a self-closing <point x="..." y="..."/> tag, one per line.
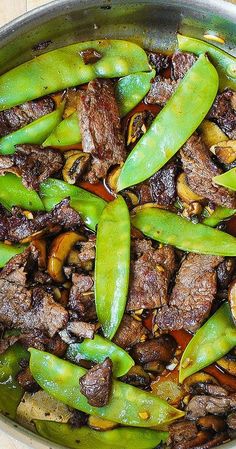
<point x="202" y="405"/>
<point x="181" y="63"/>
<point x="182" y="431"/>
<point x="163" y="184"/>
<point x="5" y="343"/>
<point x="82" y="257"/>
<point x="19" y="116"/>
<point x="161" y="349"/>
<point x="192" y="296"/>
<point x="158" y="61"/>
<point x="161" y="91"/>
<point x="150" y="275"/>
<point x="225" y="272"/>
<point x="137" y="376"/>
<point x="26" y="381"/>
<point x="100" y="127"/>
<point x="17" y="227"/>
<point x="56" y="346"/>
<point x="33" y="163"/>
<point x="78" y="419"/>
<point x="223" y="112"/>
<point x="206" y="388"/>
<point x="96" y="384"/>
<point x="82" y="329"/>
<point x="231" y="421"/>
<point x="25" y="308"/>
<point x="144" y="192"/>
<point x="129" y="333"/>
<point x="81" y="299"/>
<point x="200" y="170"/>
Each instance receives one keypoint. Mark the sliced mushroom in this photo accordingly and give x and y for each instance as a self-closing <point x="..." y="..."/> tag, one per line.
<point x="225" y="151"/>
<point x="137" y="376"/>
<point x="211" y="133"/>
<point x="76" y="164"/>
<point x="191" y="210"/>
<point x="131" y="198"/>
<point x="184" y="192"/>
<point x="40" y="246"/>
<point x="112" y="178"/>
<point x="137" y="126"/>
<point x="212" y="422"/>
<point x="59" y="251"/>
<point x="97" y="423"/>
<point x="228" y="363"/>
<point x="232" y="298"/>
<point x="154" y="367"/>
<point x="198" y="378"/>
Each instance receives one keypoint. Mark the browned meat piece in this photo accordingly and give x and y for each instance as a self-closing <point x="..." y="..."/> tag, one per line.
<point x="96" y="384"/>
<point x="26" y="381"/>
<point x="161" y="91"/>
<point x="82" y="329"/>
<point x="161" y="349"/>
<point x="206" y="388"/>
<point x="81" y="299"/>
<point x="25" y="308"/>
<point x="182" y="431"/>
<point x="223" y="112"/>
<point x="181" y="63"/>
<point x="100" y="127"/>
<point x="82" y="257"/>
<point x="202" y="405"/>
<point x="16" y="226"/>
<point x="129" y="333"/>
<point x="5" y="343"/>
<point x="192" y="296"/>
<point x="144" y="193"/>
<point x="78" y="419"/>
<point x="56" y="346"/>
<point x="231" y="421"/>
<point x="163" y="184"/>
<point x="33" y="163"/>
<point x="19" y="116"/>
<point x="158" y="61"/>
<point x="200" y="170"/>
<point x="225" y="272"/>
<point x="150" y="275"/>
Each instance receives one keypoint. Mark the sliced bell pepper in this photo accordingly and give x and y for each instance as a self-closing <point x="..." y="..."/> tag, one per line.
<point x="9" y="251"/>
<point x="14" y="193"/>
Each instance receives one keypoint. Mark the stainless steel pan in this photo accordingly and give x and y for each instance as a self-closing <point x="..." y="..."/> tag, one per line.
<point x="152" y="23"/>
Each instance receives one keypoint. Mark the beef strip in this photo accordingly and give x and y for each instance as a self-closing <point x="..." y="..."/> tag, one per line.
<point x="225" y="272"/>
<point x="81" y="299"/>
<point x="161" y="91"/>
<point x="150" y="275"/>
<point x="129" y="333"/>
<point x="200" y="170"/>
<point x="158" y="61"/>
<point x="182" y="431"/>
<point x="17" y="227"/>
<point x="19" y="116"/>
<point x="231" y="421"/>
<point x="181" y="63"/>
<point x="25" y="308"/>
<point x="207" y="388"/>
<point x="159" y="349"/>
<point x="26" y="381"/>
<point x="202" y="405"/>
<point x="100" y="127"/>
<point x="163" y="184"/>
<point x="33" y="163"/>
<point x="223" y="112"/>
<point x="192" y="296"/>
<point x="96" y="384"/>
<point x="82" y="329"/>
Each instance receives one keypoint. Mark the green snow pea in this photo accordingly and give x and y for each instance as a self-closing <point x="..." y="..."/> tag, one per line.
<point x="9" y="251"/>
<point x="130" y="90"/>
<point x="224" y="63"/>
<point x="227" y="179"/>
<point x="167" y="227"/>
<point x="219" y="214"/>
<point x="90" y="206"/>
<point x="10" y="391"/>
<point x="34" y="133"/>
<point x="97" y="350"/>
<point x="64" y="67"/>
<point x="14" y="193"/>
<point x="179" y="118"/>
<point x="128" y="405"/>
<point x="86" y="438"/>
<point x="112" y="265"/>
<point x="211" y="342"/>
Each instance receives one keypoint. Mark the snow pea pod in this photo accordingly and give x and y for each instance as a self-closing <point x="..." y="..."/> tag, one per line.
<point x="90" y="206"/>
<point x="10" y="391"/>
<point x="86" y="438"/>
<point x="127" y="405"/>
<point x="65" y="67"/>
<point x="130" y="90"/>
<point x="167" y="227"/>
<point x="34" y="133"/>
<point x="219" y="214"/>
<point x="211" y="342"/>
<point x="224" y="63"/>
<point x="14" y="193"/>
<point x="97" y="350"/>
<point x="9" y="251"/>
<point x="112" y="265"/>
<point x="176" y="122"/>
<point x="227" y="179"/>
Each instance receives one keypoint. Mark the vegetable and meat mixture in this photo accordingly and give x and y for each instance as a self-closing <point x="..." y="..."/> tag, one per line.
<point x="118" y="246"/>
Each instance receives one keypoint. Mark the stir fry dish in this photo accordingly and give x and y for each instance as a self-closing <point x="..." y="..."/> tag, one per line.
<point x="118" y="246"/>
